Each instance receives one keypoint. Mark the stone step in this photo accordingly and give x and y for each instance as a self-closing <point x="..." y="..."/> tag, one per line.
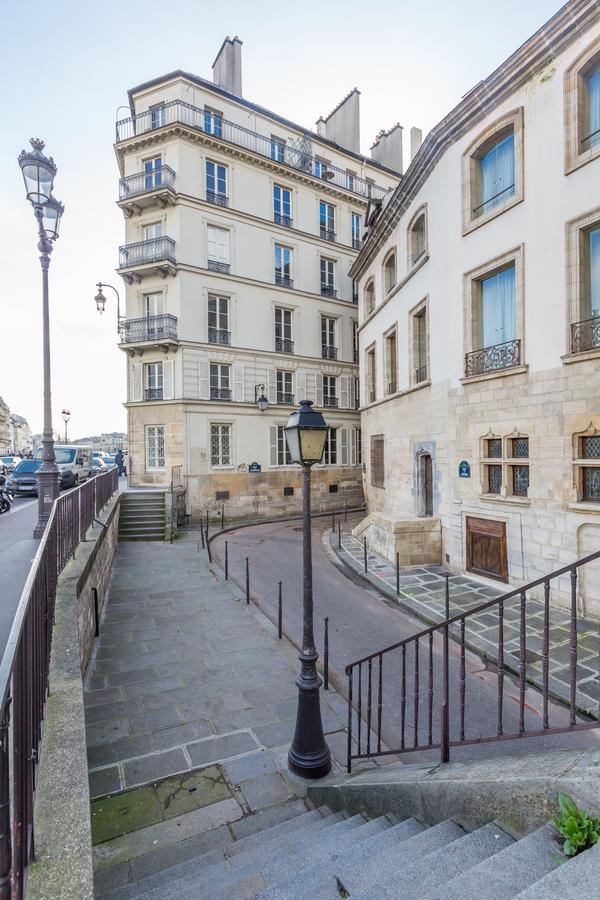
<point x="423" y="876"/>
<point x="158" y="536"/>
<point x="572" y="880"/>
<point x="146" y="518"/>
<point x="141" y="526"/>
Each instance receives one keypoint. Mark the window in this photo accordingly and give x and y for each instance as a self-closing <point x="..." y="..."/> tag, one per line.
<point x="277" y="149"/>
<point x="155" y="446"/>
<point x="355" y="341"/>
<point x="391" y="362"/>
<point x="327" y="220"/>
<point x="497" y="314"/>
<point x="283" y="266"/>
<point x="218" y="249"/>
<point x="417" y="238"/>
<point x="350" y="176"/>
<point x="153" y="305"/>
<point x="153" y="173"/>
<point x="218" y="320"/>
<point x="590" y="450"/>
<point x="328" y="278"/>
<point x="497" y="175"/>
<point x="583" y="281"/>
<point x="494" y="448"/>
<point x="494" y="476"/>
<point x="283" y="330"/>
<point x="153" y="381"/>
<point x="356" y="447"/>
<point x="153" y="231"/>
<point x="582" y="108"/>
<point x="357" y="393"/>
<point x="354" y="291"/>
<point x="330" y="452"/>
<point x="377" y="461"/>
<point x="158" y="116"/>
<point x="371" y="376"/>
<point x="283" y="454"/>
<point x="220" y="445"/>
<point x="330" y="391"/>
<point x="220" y="381"/>
<point x="389" y="272"/>
<point x="592" y="109"/>
<point x="356" y="231"/>
<point x="493" y="171"/>
<point x="320" y="168"/>
<point x="328" y="348"/>
<point x="213" y="122"/>
<point x="285" y="391"/>
<point x="216" y="183"/>
<point x="419" y="343"/>
<point x="282" y="206"/>
<point x="369" y="297"/>
<point x="506" y="465"/>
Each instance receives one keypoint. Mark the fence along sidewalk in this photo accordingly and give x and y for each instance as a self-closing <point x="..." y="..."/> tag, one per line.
<point x="24" y="675"/>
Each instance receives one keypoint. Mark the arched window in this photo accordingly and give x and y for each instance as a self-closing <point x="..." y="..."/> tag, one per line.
<point x="369" y="297"/>
<point x="582" y="108"/>
<point x="389" y="272"/>
<point x="417" y="237"/>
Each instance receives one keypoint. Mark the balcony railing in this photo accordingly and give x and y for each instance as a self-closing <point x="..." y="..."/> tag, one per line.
<point x="219" y="336"/>
<point x="217" y="198"/>
<point x="392" y="387"/>
<point x="153" y="394"/>
<point x="421" y="374"/>
<point x="330" y="401"/>
<point x="355" y="355"/>
<point x="181" y="113"/>
<point x="493" y="359"/>
<point x="282" y="397"/>
<point x="283" y="280"/>
<point x="328" y="291"/>
<point x="328" y="352"/>
<point x="217" y="393"/>
<point x="585" y="335"/>
<point x="155" y="250"/>
<point x="327" y="234"/>
<point x="215" y="266"/>
<point x="146" y="182"/>
<point x="284" y="345"/>
<point x="149" y="328"/>
<point x="357" y="244"/>
<point x="280" y="219"/>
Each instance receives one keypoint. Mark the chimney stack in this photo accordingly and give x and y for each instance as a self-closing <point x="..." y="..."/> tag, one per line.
<point x="342" y="125"/>
<point x="387" y="148"/>
<point x="416" y="139"/>
<point x="227" y="67"/>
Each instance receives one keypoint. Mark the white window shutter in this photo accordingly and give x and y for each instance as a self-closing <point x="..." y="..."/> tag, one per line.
<point x="223" y="246"/>
<point x="238" y="383"/>
<point x="272" y="445"/>
<point x="203" y="385"/>
<point x="319" y="389"/>
<point x="168" y="379"/>
<point x="212" y="242"/>
<point x="300" y="387"/>
<point x="343" y="433"/>
<point x="344" y="391"/>
<point x="353" y="447"/>
<point x="271" y="385"/>
<point x="136" y="381"/>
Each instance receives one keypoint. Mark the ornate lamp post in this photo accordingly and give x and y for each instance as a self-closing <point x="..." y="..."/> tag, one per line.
<point x="38" y="174"/>
<point x="309" y="755"/>
<point x="101" y="303"/>
<point x="259" y="397"/>
<point x="66" y="416"/>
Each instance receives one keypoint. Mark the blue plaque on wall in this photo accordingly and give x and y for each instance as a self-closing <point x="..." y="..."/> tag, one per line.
<point x="254" y="467"/>
<point x="464" y="469"/>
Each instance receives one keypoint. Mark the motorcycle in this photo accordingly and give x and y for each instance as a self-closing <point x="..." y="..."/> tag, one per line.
<point x="6" y="496"/>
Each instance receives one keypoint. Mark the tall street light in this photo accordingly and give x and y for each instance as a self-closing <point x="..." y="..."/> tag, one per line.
<point x="101" y="303"/>
<point x="66" y="416"/>
<point x="309" y="755"/>
<point x="38" y="174"/>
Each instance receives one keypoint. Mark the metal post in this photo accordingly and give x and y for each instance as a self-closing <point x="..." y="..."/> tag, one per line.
<point x="222" y="516"/>
<point x="445" y="718"/>
<point x="207" y="525"/>
<point x="208" y="549"/>
<point x="96" y="613"/>
<point x="333" y="519"/>
<point x="280" y="614"/>
<point x="326" y="655"/>
<point x="346" y="511"/>
<point x="365" y="553"/>
<point x="202" y="534"/>
<point x="247" y="580"/>
<point x="226" y="561"/>
<point x="5" y="836"/>
<point x="309" y="755"/>
<point x="397" y="573"/>
<point x="339" y="534"/>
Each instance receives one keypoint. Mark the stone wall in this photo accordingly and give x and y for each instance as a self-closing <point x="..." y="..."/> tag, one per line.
<point x="417" y="541"/>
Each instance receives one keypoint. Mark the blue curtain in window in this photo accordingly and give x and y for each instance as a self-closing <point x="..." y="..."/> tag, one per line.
<point x="595" y="271"/>
<point x="498" y="308"/>
<point x="498" y="173"/>
<point x="594" y="104"/>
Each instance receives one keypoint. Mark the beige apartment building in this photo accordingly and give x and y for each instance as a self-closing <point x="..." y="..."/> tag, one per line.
<point x="240" y="231"/>
<point x="480" y="326"/>
<point x="5" y="429"/>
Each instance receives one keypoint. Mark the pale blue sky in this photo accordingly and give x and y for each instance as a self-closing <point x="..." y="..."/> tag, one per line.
<point x="64" y="79"/>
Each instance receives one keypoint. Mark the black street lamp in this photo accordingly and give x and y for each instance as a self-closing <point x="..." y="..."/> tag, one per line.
<point x="309" y="755"/>
<point x="38" y="174"/>
<point x="66" y="416"/>
<point x="261" y="401"/>
<point x="101" y="303"/>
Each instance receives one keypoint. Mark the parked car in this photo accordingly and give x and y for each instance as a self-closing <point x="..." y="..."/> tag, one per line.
<point x="109" y="459"/>
<point x="75" y="460"/>
<point x="23" y="480"/>
<point x="8" y="463"/>
<point x="99" y="465"/>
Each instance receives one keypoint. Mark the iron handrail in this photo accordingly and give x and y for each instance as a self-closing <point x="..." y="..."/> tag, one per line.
<point x="511" y="187"/>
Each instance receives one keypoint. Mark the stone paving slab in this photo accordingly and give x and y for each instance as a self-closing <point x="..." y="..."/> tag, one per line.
<point x="422" y="593"/>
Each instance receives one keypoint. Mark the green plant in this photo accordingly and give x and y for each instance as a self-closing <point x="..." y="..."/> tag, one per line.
<point x="579" y="830"/>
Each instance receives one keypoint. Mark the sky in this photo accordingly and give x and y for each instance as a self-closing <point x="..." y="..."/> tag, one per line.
<point x="66" y="67"/>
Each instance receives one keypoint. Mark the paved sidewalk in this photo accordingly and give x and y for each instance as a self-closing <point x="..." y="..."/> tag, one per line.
<point x="422" y="593"/>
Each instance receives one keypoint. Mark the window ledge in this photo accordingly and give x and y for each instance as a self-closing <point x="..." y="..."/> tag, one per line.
<point x="497" y="373"/>
<point x="569" y="358"/>
<point x="583" y="506"/>
<point x="582" y="159"/>
<point x="509" y="501"/>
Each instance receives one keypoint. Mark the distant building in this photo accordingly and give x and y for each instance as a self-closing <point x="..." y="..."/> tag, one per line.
<point x="5" y="430"/>
<point x="109" y="441"/>
<point x="21" y="441"/>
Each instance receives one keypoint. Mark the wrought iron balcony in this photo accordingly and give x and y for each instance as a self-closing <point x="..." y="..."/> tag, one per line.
<point x="421" y="374"/>
<point x="216" y="266"/>
<point x="280" y="219"/>
<point x="355" y="355"/>
<point x="282" y="397"/>
<point x="178" y="112"/>
<point x="392" y="387"/>
<point x="220" y="393"/>
<point x="331" y="402"/>
<point x="283" y="280"/>
<point x="155" y="253"/>
<point x="216" y="198"/>
<point x="328" y="291"/>
<point x="284" y="345"/>
<point x="162" y="179"/>
<point x="357" y="244"/>
<point x="153" y="394"/>
<point x="149" y="328"/>
<point x="219" y="336"/>
<point x="585" y="335"/>
<point x="493" y="359"/>
<point x="327" y="234"/>
<point x="328" y="352"/>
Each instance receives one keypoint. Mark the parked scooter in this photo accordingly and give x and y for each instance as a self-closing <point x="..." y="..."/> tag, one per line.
<point x="6" y="497"/>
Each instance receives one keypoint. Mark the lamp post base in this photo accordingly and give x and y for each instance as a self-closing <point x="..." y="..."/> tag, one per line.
<point x="309" y="756"/>
<point x="48" y="491"/>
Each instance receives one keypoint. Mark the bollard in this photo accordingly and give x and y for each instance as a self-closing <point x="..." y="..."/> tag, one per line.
<point x="96" y="615"/>
<point x="326" y="655"/>
<point x="208" y="548"/>
<point x="447" y="594"/>
<point x="247" y="581"/>
<point x="397" y="573"/>
<point x="226" y="562"/>
<point x="280" y="615"/>
<point x="365" y="553"/>
<point x="202" y="534"/>
<point x="333" y="519"/>
<point x="207" y="526"/>
<point x="222" y="516"/>
<point x="339" y="534"/>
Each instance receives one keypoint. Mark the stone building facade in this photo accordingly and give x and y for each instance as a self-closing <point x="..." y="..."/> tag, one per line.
<point x="240" y="229"/>
<point x="21" y="438"/>
<point x="480" y="325"/>
<point x="5" y="429"/>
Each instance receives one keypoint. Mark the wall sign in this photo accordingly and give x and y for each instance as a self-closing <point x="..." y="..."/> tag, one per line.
<point x="464" y="469"/>
<point x="254" y="467"/>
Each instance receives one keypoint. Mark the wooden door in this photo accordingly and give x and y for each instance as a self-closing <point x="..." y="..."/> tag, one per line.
<point x="427" y="484"/>
<point x="486" y="548"/>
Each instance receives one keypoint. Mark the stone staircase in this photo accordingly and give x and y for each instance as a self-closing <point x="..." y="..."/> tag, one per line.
<point x="326" y="855"/>
<point x="142" y="516"/>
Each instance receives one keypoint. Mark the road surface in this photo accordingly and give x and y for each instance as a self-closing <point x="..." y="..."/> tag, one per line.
<point x="17" y="549"/>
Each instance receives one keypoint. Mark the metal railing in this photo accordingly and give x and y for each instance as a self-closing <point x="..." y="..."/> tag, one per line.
<point x="585" y="335"/>
<point x="216" y="266"/>
<point x="491" y="359"/>
<point x="220" y="393"/>
<point x="280" y="219"/>
<point x="283" y="397"/>
<point x="178" y="112"/>
<point x="430" y="684"/>
<point x="154" y="250"/>
<point x="355" y="355"/>
<point x="327" y="234"/>
<point x="495" y="200"/>
<point x="149" y="328"/>
<point x="24" y="675"/>
<point x="283" y="280"/>
<point x="217" y="198"/>
<point x="328" y="352"/>
<point x="331" y="402"/>
<point x="593" y="137"/>
<point x="357" y="244"/>
<point x="153" y="393"/>
<point x="146" y="182"/>
<point x="328" y="291"/>
<point x="219" y="336"/>
<point x="284" y="345"/>
<point x="421" y="374"/>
